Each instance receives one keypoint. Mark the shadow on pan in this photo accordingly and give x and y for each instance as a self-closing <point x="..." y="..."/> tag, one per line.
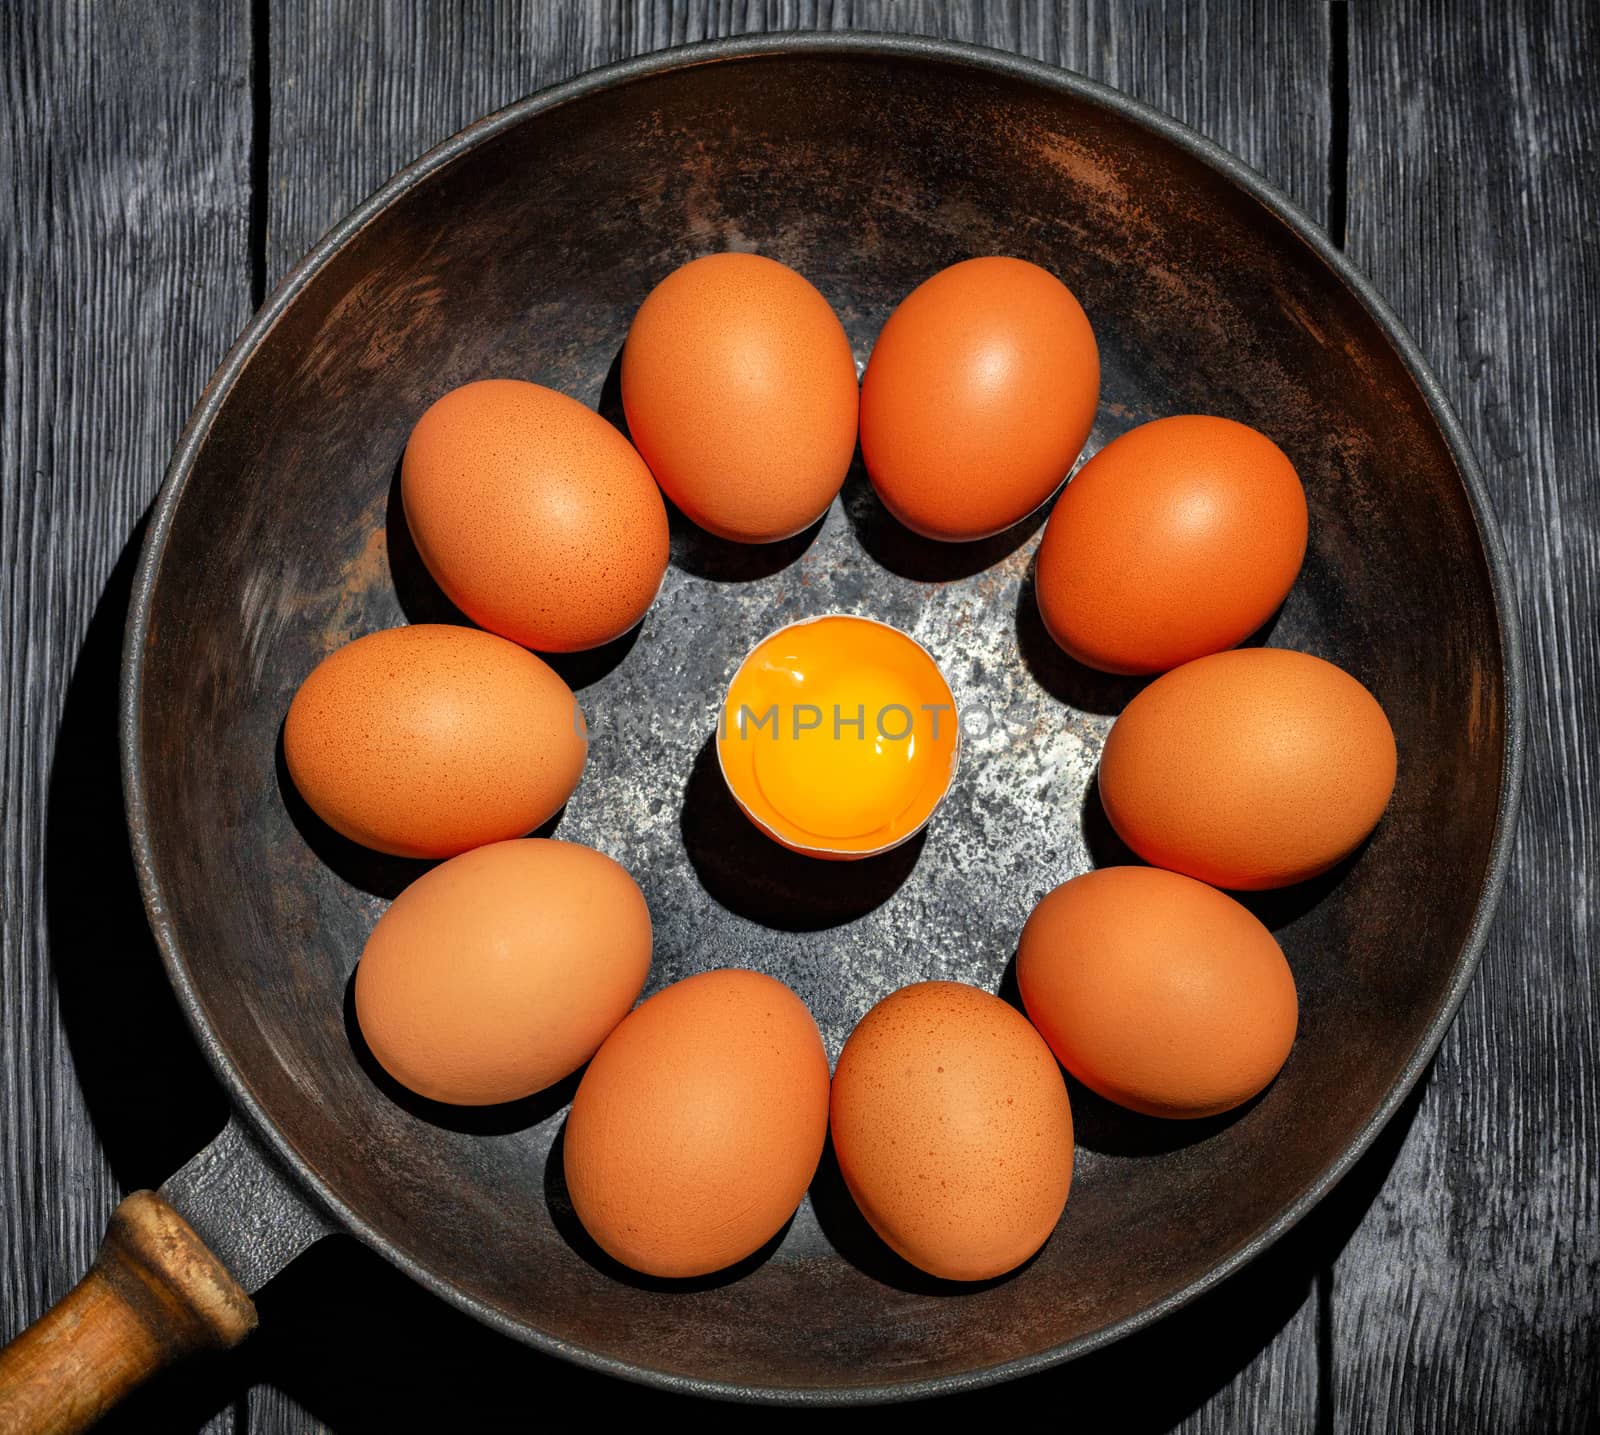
<point x="747" y="872"/>
<point x="150" y="1096"/>
<point x="341" y="1321"/>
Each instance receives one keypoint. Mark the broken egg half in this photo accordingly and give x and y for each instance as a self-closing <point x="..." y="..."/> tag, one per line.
<point x="839" y="737"/>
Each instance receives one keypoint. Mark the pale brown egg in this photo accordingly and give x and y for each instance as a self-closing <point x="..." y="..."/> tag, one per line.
<point x="1157" y="991"/>
<point x="1249" y="769"/>
<point x="425" y="741"/>
<point x="740" y="390"/>
<point x="952" y="1128"/>
<point x="698" y="1125"/>
<point x="534" y="515"/>
<point x="502" y="970"/>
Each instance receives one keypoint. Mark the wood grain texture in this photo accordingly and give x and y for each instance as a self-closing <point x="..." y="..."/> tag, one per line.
<point x="1466" y="1296"/>
<point x="1470" y="1297"/>
<point x="154" y="1295"/>
<point x="357" y="90"/>
<point x="123" y="165"/>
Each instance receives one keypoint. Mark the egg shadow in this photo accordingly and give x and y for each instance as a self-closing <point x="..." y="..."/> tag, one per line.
<point x="564" y="1218"/>
<point x="1007" y="988"/>
<point x="1103" y="1126"/>
<point x="926" y="560"/>
<point x="1262" y="637"/>
<point x="748" y="873"/>
<point x="1100" y="839"/>
<point x="583" y="669"/>
<point x="1065" y="678"/>
<point x="1280" y="907"/>
<point x="719" y="560"/>
<point x="497" y="1120"/>
<point x="376" y="873"/>
<point x="853" y="1238"/>
<point x="694" y="551"/>
<point x="1076" y="684"/>
<point x="422" y="600"/>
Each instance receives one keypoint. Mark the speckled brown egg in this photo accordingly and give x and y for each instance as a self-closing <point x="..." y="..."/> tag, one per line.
<point x="534" y="515"/>
<point x="951" y="1124"/>
<point x="1249" y="769"/>
<point x="502" y="970"/>
<point x="740" y="391"/>
<point x="1157" y="991"/>
<point x="428" y="740"/>
<point x="698" y="1125"/>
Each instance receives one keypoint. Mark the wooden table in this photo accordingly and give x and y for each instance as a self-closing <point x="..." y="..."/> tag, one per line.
<point x="164" y="164"/>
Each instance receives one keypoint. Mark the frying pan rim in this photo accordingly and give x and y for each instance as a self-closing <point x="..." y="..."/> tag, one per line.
<point x="758" y="49"/>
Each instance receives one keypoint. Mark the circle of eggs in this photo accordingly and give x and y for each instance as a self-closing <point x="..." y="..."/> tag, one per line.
<point x="518" y="960"/>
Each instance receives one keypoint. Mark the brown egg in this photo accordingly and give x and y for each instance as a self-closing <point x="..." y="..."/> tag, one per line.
<point x="740" y="391"/>
<point x="1178" y="539"/>
<point x="698" y="1125"/>
<point x="1249" y="769"/>
<point x="978" y="397"/>
<point x="428" y="740"/>
<point x="951" y="1124"/>
<point x="1157" y="991"/>
<point x="534" y="515"/>
<point x="502" y="970"/>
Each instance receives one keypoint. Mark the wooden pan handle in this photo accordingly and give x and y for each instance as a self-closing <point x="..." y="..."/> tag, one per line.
<point x="154" y="1294"/>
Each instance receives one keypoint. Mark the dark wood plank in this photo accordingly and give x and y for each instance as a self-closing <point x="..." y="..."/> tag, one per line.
<point x="1253" y="77"/>
<point x="359" y="89"/>
<point x="1470" y="1297"/>
<point x="124" y="163"/>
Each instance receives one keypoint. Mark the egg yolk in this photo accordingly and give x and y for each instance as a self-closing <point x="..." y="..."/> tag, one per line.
<point x="844" y="771"/>
<point x="839" y="736"/>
